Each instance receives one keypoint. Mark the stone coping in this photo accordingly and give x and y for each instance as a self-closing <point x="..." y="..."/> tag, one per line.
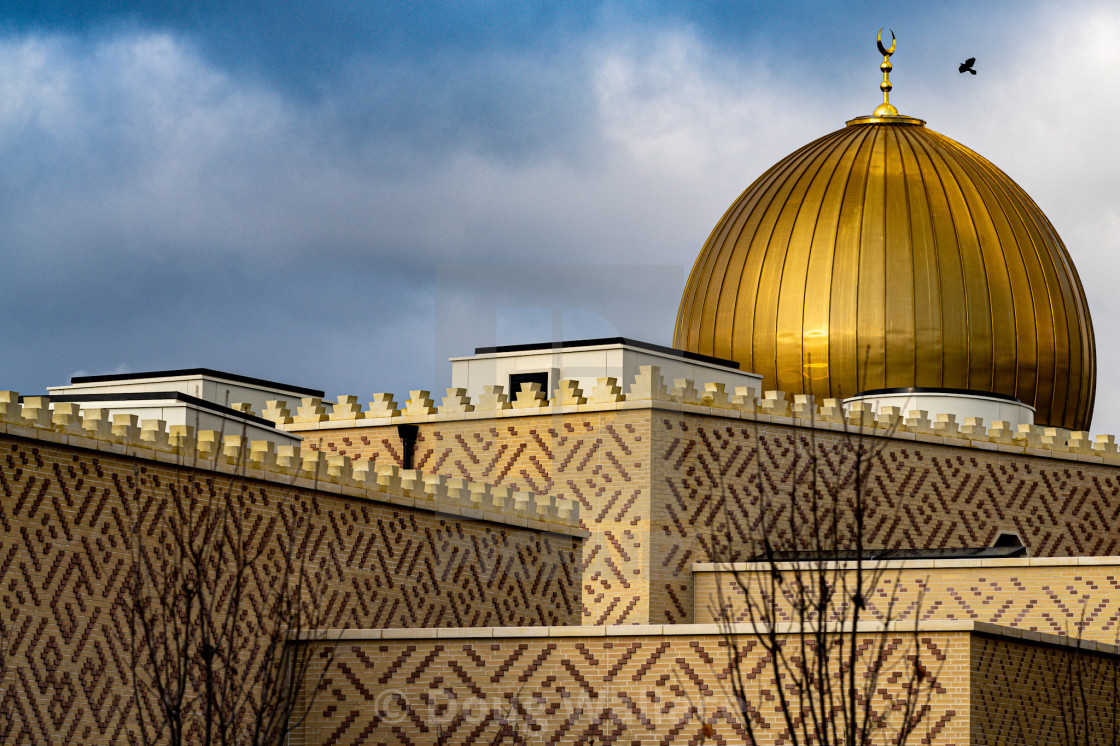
<point x="968" y="626"/>
<point x="418" y="499"/>
<point x="907" y="564"/>
<point x="958" y="440"/>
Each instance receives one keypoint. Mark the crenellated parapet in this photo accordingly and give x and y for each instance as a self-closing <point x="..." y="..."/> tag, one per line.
<point x="66" y="423"/>
<point x="649" y="389"/>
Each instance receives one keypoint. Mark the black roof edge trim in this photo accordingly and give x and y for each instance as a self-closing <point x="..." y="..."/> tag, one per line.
<point x="176" y="395"/>
<point x="882" y="555"/>
<point x="609" y="341"/>
<point x="926" y="390"/>
<point x="198" y="372"/>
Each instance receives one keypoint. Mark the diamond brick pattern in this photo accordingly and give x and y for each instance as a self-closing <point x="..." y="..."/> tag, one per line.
<point x="67" y="522"/>
<point x="1078" y="601"/>
<point x="599" y="459"/>
<point x="1038" y="694"/>
<point x="710" y="478"/>
<point x="623" y="690"/>
<point x="660" y="491"/>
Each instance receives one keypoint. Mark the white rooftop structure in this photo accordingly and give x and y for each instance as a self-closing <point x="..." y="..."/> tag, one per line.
<point x="587" y="360"/>
<point x="201" y="398"/>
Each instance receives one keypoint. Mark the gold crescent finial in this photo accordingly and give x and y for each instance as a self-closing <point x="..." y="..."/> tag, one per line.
<point x="885" y="113"/>
<point x="885" y="109"/>
<point x="879" y="43"/>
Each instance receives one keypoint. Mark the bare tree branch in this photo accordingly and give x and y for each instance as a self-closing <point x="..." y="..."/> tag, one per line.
<point x="222" y="576"/>
<point x="807" y="597"/>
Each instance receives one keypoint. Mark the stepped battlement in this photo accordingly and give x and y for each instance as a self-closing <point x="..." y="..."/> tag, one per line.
<point x="36" y="418"/>
<point x="649" y="389"/>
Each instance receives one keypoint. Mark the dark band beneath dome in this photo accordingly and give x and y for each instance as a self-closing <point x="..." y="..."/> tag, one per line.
<point x="926" y="390"/>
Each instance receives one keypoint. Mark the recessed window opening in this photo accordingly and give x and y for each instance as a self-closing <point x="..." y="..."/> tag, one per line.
<point x="516" y="379"/>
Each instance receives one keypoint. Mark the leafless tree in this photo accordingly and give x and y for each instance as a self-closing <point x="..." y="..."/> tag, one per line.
<point x="1088" y="695"/>
<point x="9" y="621"/>
<point x="1083" y="706"/>
<point x="813" y="584"/>
<point x="222" y="575"/>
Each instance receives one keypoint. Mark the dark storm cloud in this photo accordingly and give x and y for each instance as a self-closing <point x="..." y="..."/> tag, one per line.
<point x="437" y="72"/>
<point x="344" y="194"/>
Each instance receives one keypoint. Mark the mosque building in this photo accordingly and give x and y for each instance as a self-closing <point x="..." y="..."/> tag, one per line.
<point x="564" y="547"/>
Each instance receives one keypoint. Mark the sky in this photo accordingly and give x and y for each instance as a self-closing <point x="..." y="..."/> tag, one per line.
<point x="342" y="195"/>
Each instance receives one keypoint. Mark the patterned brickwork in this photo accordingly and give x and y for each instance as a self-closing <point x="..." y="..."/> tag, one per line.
<point x="600" y="459"/>
<point x="1025" y="694"/>
<point x="712" y="478"/>
<point x="661" y="490"/>
<point x="1074" y="600"/>
<point x="593" y="690"/>
<point x="69" y="520"/>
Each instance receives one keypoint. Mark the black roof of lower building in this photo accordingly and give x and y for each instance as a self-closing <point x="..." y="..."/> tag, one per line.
<point x="570" y="344"/>
<point x="209" y="372"/>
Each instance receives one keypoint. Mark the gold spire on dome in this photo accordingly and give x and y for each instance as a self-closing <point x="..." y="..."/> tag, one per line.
<point x="886" y="113"/>
<point x="885" y="109"/>
<point x="885" y="255"/>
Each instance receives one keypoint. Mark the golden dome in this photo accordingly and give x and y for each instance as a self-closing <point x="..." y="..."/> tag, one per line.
<point x="886" y="255"/>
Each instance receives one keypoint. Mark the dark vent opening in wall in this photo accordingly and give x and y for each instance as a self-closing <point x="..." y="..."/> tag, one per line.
<point x="1008" y="540"/>
<point x="516" y="379"/>
<point x="408" y="435"/>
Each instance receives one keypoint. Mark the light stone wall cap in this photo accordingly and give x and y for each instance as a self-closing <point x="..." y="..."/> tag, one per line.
<point x="641" y="630"/>
<point x="960" y="626"/>
<point x="910" y="564"/>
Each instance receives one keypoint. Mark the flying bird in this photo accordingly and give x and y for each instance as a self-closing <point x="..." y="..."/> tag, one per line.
<point x="966" y="66"/>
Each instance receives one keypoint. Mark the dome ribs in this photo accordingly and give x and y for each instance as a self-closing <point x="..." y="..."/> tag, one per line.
<point x="999" y="250"/>
<point x="718" y="275"/>
<point x="801" y="218"/>
<point x="953" y="336"/>
<point x="899" y="353"/>
<point x="765" y="250"/>
<point x="1083" y="354"/>
<point x="775" y="251"/>
<point x="1087" y="351"/>
<point x="1053" y="410"/>
<point x="887" y="255"/>
<point x="1038" y="306"/>
<point x="969" y="211"/>
<point x="1009" y="279"/>
<point x="1053" y="298"/>
<point x="870" y="298"/>
<point x="843" y="340"/>
<point x="719" y="270"/>
<point x="817" y="286"/>
<point x="925" y="280"/>
<point x="1074" y="364"/>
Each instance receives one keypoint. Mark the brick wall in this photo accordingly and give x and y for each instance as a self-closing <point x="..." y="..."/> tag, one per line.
<point x="1058" y="596"/>
<point x="614" y="689"/>
<point x="712" y="477"/>
<point x="665" y="685"/>
<point x="601" y="459"/>
<point x="70" y="520"/>
<point x="661" y="489"/>
<point x="1033" y="694"/>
